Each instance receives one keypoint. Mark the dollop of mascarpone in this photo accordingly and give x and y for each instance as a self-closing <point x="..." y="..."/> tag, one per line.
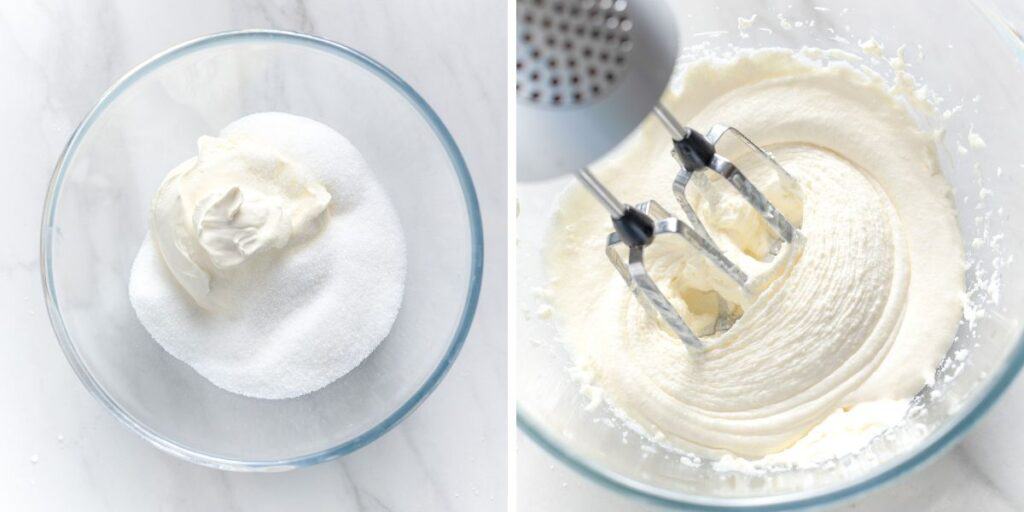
<point x="233" y="202"/>
<point x="864" y="313"/>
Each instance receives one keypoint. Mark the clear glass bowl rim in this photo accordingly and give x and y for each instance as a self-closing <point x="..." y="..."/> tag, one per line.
<point x="942" y="439"/>
<point x="318" y="44"/>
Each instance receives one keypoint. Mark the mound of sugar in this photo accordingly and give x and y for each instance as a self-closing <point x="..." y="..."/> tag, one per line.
<point x="309" y="313"/>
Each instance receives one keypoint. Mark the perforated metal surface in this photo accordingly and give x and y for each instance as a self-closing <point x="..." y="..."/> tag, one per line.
<point x="571" y="52"/>
<point x="588" y="72"/>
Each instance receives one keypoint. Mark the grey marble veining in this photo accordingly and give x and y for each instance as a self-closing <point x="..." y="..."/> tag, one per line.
<point x="59" y="449"/>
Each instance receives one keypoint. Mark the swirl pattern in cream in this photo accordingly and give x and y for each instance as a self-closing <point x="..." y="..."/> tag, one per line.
<point x="864" y="313"/>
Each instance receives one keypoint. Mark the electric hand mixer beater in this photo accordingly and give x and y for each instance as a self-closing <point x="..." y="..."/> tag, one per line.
<point x="587" y="73"/>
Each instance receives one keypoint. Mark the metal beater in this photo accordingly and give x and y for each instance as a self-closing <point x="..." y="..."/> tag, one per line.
<point x="588" y="71"/>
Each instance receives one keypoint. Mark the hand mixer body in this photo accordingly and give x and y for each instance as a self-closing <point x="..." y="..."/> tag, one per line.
<point x="587" y="73"/>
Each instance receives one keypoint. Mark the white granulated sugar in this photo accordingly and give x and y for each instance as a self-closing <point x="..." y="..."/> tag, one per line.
<point x="307" y="314"/>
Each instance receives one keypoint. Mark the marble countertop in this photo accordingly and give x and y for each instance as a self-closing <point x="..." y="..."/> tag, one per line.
<point x="59" y="449"/>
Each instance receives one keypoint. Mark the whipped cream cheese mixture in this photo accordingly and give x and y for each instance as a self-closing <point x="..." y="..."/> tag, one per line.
<point x="838" y="341"/>
<point x="275" y="262"/>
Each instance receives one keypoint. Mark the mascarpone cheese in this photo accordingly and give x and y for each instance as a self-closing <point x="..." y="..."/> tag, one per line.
<point x="235" y="200"/>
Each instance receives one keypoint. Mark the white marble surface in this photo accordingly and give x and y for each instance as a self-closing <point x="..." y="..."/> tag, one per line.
<point x="59" y="449"/>
<point x="982" y="472"/>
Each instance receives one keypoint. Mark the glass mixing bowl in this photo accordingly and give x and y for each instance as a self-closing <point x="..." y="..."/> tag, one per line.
<point x="967" y="54"/>
<point x="95" y="220"/>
